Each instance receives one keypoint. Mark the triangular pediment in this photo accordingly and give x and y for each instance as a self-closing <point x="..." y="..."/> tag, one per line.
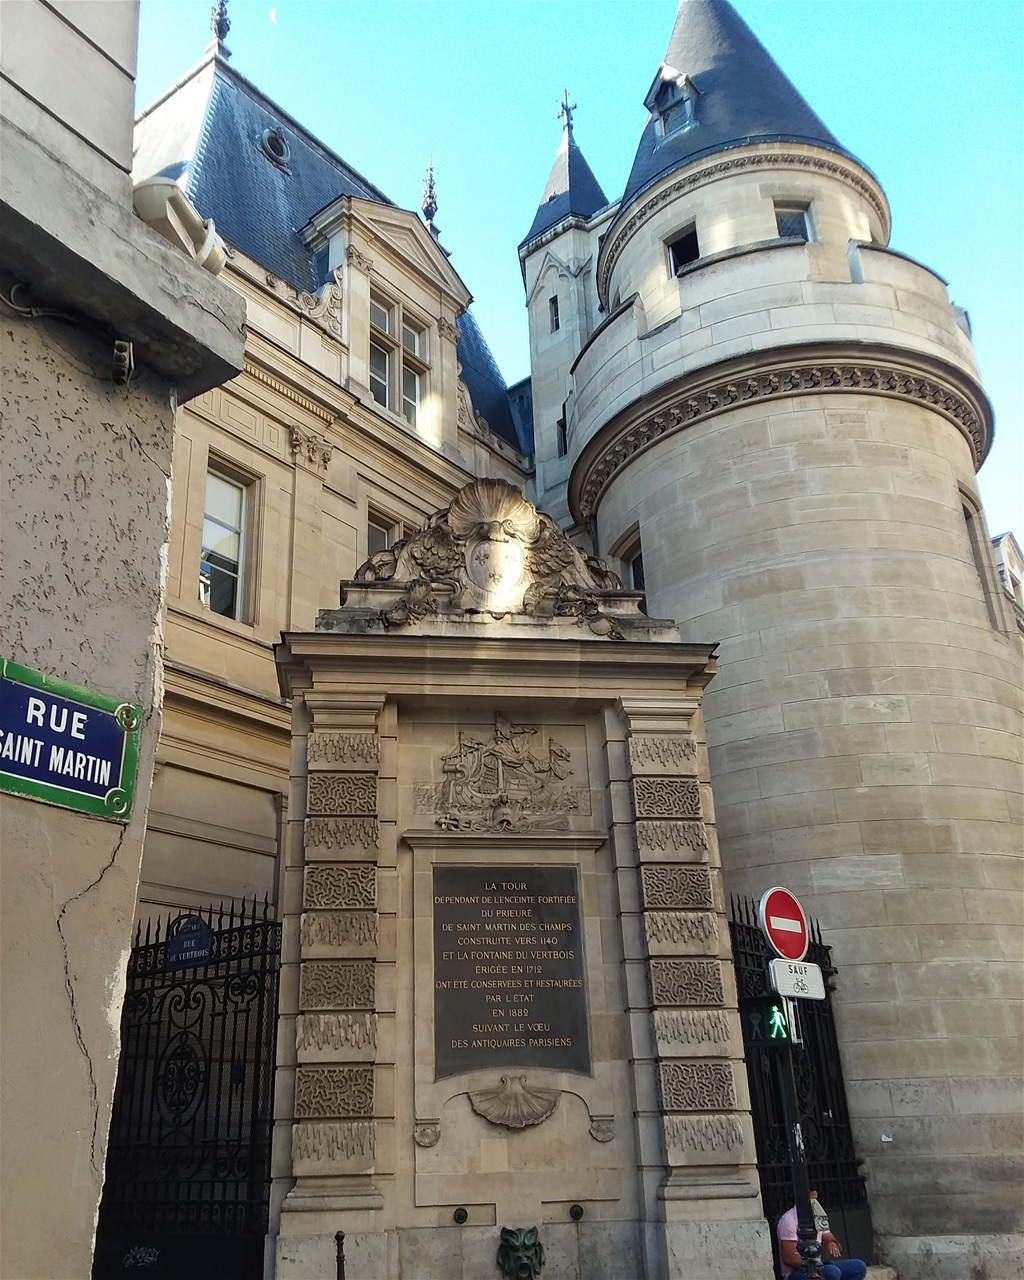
<point x="406" y="236"/>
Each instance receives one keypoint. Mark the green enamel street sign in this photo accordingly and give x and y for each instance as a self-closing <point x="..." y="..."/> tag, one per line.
<point x="67" y="745"/>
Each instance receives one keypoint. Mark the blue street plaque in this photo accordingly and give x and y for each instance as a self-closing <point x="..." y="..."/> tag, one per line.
<point x="67" y="745"/>
<point x="189" y="941"/>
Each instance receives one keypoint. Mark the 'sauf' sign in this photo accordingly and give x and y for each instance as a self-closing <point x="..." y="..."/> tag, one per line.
<point x="66" y="745"/>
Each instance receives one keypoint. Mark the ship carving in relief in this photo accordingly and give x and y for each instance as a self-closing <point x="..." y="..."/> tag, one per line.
<point x="502" y="785"/>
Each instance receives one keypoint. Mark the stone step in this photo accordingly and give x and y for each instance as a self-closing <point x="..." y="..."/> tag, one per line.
<point x="881" y="1273"/>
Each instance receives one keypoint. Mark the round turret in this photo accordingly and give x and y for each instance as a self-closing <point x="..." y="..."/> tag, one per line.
<point x="783" y="417"/>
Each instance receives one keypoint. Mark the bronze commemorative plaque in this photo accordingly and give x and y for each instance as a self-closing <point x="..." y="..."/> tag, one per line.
<point x="509" y="988"/>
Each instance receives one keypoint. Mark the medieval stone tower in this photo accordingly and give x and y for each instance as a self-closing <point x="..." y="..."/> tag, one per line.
<point x="741" y="392"/>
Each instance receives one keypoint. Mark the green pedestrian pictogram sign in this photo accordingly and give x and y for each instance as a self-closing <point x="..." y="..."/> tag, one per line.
<point x="769" y="1022"/>
<point x="778" y="1026"/>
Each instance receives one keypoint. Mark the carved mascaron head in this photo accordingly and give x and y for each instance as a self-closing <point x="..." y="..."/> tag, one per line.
<point x="520" y="1253"/>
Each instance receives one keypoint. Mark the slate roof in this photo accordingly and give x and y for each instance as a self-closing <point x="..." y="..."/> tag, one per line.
<point x="205" y="134"/>
<point x="487" y="387"/>
<point x="571" y="189"/>
<point x="744" y="96"/>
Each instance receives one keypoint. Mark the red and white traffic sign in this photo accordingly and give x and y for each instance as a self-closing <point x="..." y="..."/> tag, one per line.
<point x="783" y="923"/>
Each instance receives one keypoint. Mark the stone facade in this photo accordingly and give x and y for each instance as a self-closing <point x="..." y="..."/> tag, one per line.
<point x="86" y="469"/>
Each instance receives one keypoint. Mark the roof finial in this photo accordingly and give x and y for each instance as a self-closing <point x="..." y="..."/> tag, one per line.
<point x="565" y="113"/>
<point x="220" y="25"/>
<point x="429" y="203"/>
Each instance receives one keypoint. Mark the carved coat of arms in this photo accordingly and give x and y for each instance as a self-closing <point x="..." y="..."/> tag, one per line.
<point x="492" y="552"/>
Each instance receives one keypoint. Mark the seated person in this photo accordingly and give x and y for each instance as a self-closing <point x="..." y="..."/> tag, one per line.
<point x="835" y="1266"/>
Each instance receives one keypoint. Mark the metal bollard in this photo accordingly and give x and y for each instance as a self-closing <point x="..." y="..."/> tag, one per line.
<point x="339" y="1244"/>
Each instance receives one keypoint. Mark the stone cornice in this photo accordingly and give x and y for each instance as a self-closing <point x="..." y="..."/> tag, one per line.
<point x="767" y="377"/>
<point x="268" y="380"/>
<point x="620" y="232"/>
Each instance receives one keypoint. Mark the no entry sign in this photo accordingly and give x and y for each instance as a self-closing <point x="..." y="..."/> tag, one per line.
<point x="783" y="923"/>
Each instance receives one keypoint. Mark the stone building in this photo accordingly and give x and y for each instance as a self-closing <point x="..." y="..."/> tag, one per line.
<point x="750" y="406"/>
<point x="105" y="327"/>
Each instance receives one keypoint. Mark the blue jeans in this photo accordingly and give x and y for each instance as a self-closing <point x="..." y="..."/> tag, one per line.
<point x="839" y="1269"/>
<point x="845" y="1269"/>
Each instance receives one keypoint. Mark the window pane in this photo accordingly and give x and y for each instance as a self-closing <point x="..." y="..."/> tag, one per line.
<point x="636" y="572"/>
<point x="413" y="339"/>
<point x="224" y="501"/>
<point x="378" y="538"/>
<point x="379" y="373"/>
<point x="791" y="222"/>
<point x="380" y="313"/>
<point x="225" y="544"/>
<point x="410" y="395"/>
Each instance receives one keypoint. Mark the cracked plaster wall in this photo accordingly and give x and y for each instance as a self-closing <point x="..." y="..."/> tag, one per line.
<point x="84" y="470"/>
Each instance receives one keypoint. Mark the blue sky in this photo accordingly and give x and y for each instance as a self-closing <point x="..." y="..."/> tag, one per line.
<point x="928" y="93"/>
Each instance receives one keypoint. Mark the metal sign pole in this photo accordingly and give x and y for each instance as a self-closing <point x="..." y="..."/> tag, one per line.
<point x="807" y="1237"/>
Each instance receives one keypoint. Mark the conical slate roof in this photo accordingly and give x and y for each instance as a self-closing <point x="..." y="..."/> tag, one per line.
<point x="742" y="95"/>
<point x="571" y="189"/>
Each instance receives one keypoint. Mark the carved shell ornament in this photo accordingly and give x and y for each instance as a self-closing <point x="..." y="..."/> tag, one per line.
<point x="514" y="1103"/>
<point x="492" y="552"/>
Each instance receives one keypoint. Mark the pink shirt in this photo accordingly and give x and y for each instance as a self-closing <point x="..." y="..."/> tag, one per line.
<point x="786" y="1230"/>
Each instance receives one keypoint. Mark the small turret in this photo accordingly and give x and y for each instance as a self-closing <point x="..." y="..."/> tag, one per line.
<point x="572" y="189"/>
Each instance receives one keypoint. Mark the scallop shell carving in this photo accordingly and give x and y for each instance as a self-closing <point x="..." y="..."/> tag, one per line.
<point x="494" y="509"/>
<point x="514" y="1103"/>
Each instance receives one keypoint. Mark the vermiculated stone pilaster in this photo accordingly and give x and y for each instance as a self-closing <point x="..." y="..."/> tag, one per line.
<point x="335" y="1131"/>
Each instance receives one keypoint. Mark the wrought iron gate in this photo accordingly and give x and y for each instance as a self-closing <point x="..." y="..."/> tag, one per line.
<point x="821" y="1094"/>
<point x="188" y="1160"/>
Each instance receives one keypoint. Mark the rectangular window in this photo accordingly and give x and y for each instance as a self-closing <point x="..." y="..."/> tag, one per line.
<point x="793" y="221"/>
<point x="684" y="250"/>
<point x="380" y="374"/>
<point x="223" y="568"/>
<point x="981" y="553"/>
<point x="562" y="435"/>
<point x="379" y="535"/>
<point x="398" y="369"/>
<point x="553" y="312"/>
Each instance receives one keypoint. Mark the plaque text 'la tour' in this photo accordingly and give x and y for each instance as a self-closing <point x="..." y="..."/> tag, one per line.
<point x="508" y="969"/>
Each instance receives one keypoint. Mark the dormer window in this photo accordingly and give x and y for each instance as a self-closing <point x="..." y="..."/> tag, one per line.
<point x="673" y="103"/>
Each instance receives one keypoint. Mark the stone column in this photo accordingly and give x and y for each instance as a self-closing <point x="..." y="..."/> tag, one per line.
<point x="332" y="934"/>
<point x="693" y="1113"/>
